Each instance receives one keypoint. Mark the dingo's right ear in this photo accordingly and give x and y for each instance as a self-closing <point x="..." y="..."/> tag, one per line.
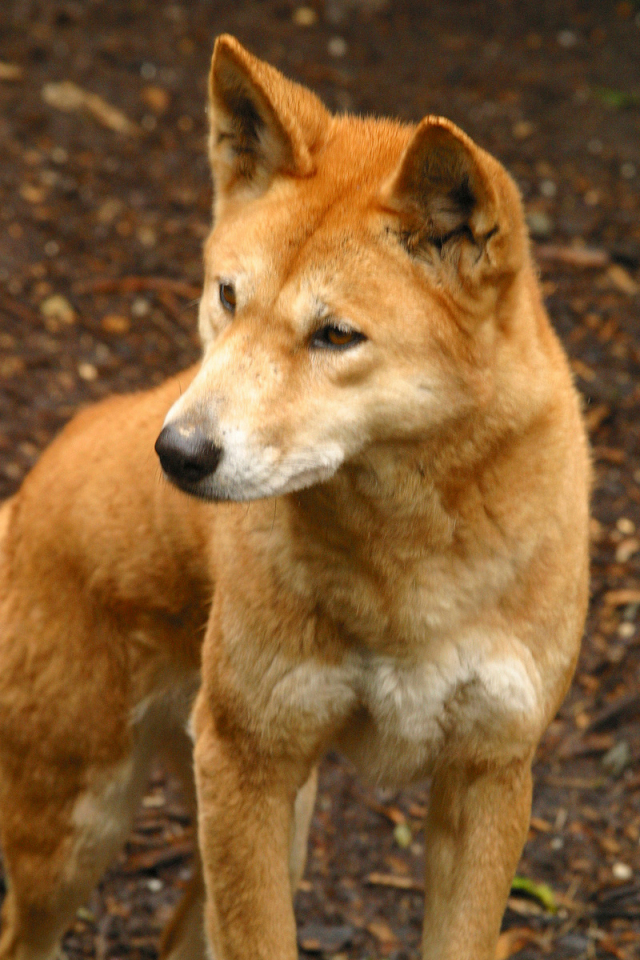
<point x="261" y="123"/>
<point x="457" y="204"/>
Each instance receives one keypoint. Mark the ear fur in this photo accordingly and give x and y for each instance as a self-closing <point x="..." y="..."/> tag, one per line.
<point x="261" y="123"/>
<point x="456" y="202"/>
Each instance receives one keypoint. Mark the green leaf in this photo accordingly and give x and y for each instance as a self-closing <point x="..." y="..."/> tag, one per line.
<point x="539" y="891"/>
<point x="619" y="99"/>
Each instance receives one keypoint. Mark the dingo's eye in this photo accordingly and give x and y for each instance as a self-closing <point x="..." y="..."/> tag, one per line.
<point x="228" y="297"/>
<point x="336" y="338"/>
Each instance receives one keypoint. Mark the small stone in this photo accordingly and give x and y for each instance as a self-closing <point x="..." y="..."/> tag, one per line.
<point x="592" y="198"/>
<point x="147" y="236"/>
<point x="155" y="884"/>
<point x="540" y="224"/>
<point x="548" y="189"/>
<point x="402" y="835"/>
<point x="155" y="97"/>
<point x="626" y="630"/>
<point x="305" y="16"/>
<point x="58" y="308"/>
<point x="87" y="371"/>
<point x="148" y="71"/>
<point x="628" y="170"/>
<point x="557" y="843"/>
<point x="51" y="248"/>
<point x="337" y="47"/>
<point x="625" y="525"/>
<point x="567" y="39"/>
<point x="617" y="758"/>
<point x="622" y="871"/>
<point x="65" y="96"/>
<point x="109" y="210"/>
<point x="59" y="155"/>
<point x="140" y="307"/>
<point x="522" y="129"/>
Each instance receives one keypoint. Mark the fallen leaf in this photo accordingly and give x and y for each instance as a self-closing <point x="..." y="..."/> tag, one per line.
<point x="609" y="454"/>
<point x="620" y="598"/>
<point x="525" y="908"/>
<point x="513" y="940"/>
<point x="583" y="370"/>
<point x="68" y="96"/>
<point x="149" y="860"/>
<point x="586" y="258"/>
<point x="594" y="416"/>
<point x="321" y="938"/>
<point x="543" y="826"/>
<point x="10" y="71"/>
<point x="626" y="549"/>
<point x="622" y="279"/>
<point x="115" y="323"/>
<point x="381" y="930"/>
<point x="33" y="194"/>
<point x="393" y="880"/>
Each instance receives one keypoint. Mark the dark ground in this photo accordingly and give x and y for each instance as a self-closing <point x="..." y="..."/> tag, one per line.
<point x="553" y="89"/>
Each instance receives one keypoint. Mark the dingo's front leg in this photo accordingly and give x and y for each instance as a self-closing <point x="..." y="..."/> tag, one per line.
<point x="476" y="828"/>
<point x="246" y="828"/>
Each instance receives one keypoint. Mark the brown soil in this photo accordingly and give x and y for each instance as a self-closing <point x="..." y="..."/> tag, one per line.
<point x="553" y="89"/>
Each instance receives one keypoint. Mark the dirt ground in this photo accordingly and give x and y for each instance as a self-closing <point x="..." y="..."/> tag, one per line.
<point x="105" y="204"/>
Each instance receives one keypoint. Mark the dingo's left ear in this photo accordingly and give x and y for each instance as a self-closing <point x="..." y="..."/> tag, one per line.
<point x="456" y="202"/>
<point x="261" y="123"/>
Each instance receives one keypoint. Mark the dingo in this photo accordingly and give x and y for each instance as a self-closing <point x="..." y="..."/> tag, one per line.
<point x="410" y="584"/>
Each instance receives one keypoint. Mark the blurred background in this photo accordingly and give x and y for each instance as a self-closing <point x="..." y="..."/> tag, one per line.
<point x="105" y="200"/>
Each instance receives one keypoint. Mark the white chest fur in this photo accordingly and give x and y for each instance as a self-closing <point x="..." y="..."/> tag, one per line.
<point x="478" y="696"/>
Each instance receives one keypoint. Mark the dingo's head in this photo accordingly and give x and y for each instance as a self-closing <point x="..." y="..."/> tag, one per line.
<point x="353" y="286"/>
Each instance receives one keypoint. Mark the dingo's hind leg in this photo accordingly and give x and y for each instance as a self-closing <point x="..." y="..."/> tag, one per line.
<point x="55" y="848"/>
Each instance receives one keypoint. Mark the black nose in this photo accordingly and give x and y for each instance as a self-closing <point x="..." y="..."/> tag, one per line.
<point x="186" y="454"/>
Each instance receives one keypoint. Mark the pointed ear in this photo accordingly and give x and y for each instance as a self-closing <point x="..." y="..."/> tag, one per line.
<point x="261" y="123"/>
<point x="456" y="203"/>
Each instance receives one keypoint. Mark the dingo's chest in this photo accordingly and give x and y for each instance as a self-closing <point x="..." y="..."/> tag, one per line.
<point x="408" y="712"/>
<point x="393" y="717"/>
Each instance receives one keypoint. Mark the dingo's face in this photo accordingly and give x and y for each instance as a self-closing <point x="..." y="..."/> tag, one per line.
<point x="350" y="289"/>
